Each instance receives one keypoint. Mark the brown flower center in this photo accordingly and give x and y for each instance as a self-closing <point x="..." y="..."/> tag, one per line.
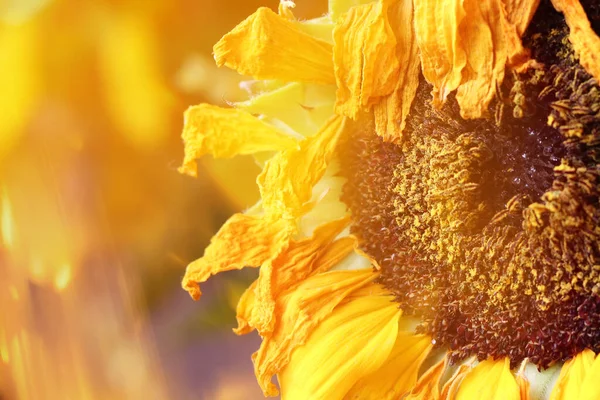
<point x="489" y="230"/>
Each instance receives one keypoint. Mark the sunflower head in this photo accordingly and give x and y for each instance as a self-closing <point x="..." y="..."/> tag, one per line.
<point x="430" y="216"/>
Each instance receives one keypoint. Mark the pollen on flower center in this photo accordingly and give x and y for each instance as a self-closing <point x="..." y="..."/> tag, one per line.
<point x="489" y="229"/>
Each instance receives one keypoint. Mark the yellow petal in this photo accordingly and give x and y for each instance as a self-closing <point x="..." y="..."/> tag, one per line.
<point x="288" y="178"/>
<point x="520" y="13"/>
<point x="251" y="314"/>
<point x="398" y="375"/>
<point x="327" y="204"/>
<point x="268" y="46"/>
<point x="227" y="132"/>
<point x="428" y="386"/>
<point x="299" y="313"/>
<point x="289" y="268"/>
<point x="478" y="43"/>
<point x="483" y="34"/>
<point x="364" y="55"/>
<point x="242" y="241"/>
<point x="450" y="388"/>
<point x="585" y="41"/>
<point x="353" y="342"/>
<point x="572" y="376"/>
<point x="590" y="389"/>
<point x="490" y="380"/>
<point x="391" y="112"/>
<point x="243" y="311"/>
<point x="303" y="107"/>
<point x="442" y="55"/>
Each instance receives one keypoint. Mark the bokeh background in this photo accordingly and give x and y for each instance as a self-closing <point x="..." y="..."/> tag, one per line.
<point x="96" y="225"/>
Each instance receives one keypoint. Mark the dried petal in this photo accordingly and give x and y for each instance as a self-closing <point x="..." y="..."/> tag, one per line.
<point x="483" y="40"/>
<point x="391" y="112"/>
<point x="428" y="385"/>
<point x="442" y="55"/>
<point x="242" y="241"/>
<point x="364" y="56"/>
<point x="227" y="132"/>
<point x="466" y="45"/>
<point x="291" y="267"/>
<point x="585" y="41"/>
<point x="288" y="178"/>
<point x="268" y="46"/>
<point x="520" y="13"/>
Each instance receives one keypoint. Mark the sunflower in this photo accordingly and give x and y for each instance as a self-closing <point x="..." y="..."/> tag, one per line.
<point x="429" y="223"/>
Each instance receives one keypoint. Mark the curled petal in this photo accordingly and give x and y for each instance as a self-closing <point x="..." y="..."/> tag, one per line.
<point x="268" y="46"/>
<point x="227" y="132"/>
<point x="290" y="267"/>
<point x="585" y="41"/>
<point x="466" y="45"/>
<point x="520" y="13"/>
<point x="288" y="178"/>
<point x="364" y="55"/>
<point x="243" y="311"/>
<point x="428" y="385"/>
<point x="391" y="112"/>
<point x="242" y="241"/>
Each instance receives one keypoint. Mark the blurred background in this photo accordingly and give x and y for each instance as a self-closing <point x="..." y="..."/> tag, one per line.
<point x="96" y="225"/>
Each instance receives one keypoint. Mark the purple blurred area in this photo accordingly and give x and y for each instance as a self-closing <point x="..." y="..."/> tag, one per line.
<point x="97" y="226"/>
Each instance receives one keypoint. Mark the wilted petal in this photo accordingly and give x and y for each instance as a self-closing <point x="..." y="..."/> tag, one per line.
<point x="391" y="112"/>
<point x="288" y="178"/>
<point x="520" y="13"/>
<point x="428" y="385"/>
<point x="268" y="46"/>
<point x="466" y="45"/>
<point x="364" y="55"/>
<point x="289" y="268"/>
<point x="227" y="132"/>
<point x="585" y="41"/>
<point x="442" y="55"/>
<point x="242" y="241"/>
